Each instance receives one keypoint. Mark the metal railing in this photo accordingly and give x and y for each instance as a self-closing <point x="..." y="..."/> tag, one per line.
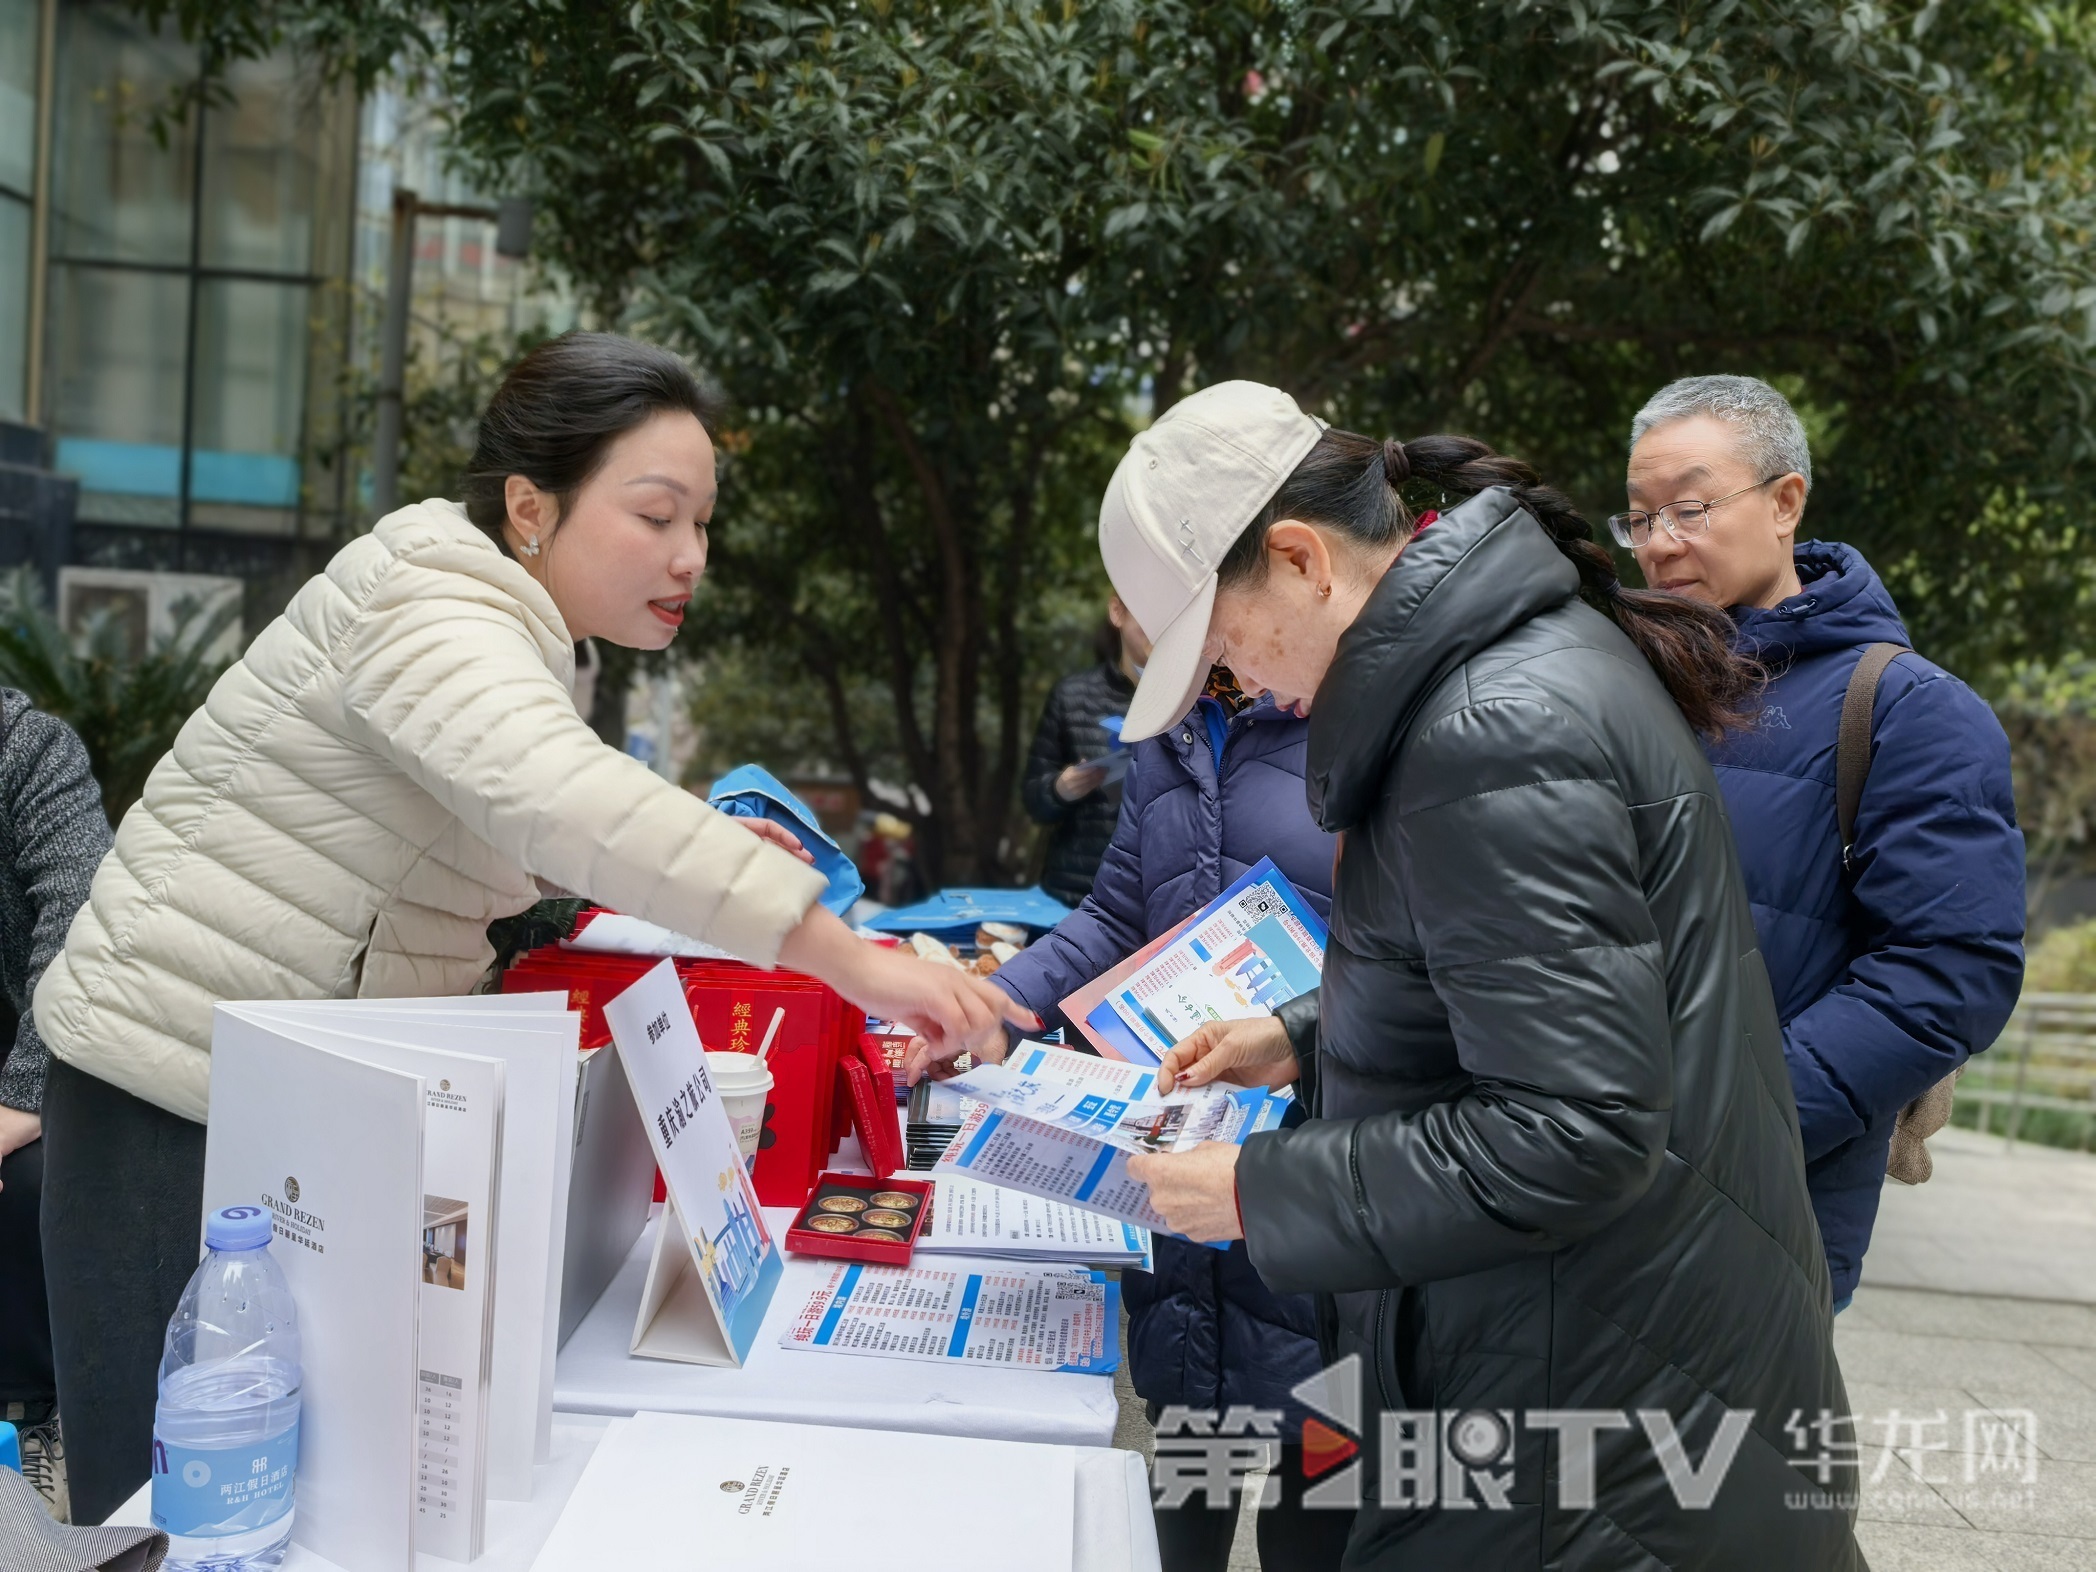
<point x="2045" y="1058"/>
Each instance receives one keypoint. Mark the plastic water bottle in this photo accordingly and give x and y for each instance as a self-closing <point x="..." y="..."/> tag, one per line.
<point x="225" y="1433"/>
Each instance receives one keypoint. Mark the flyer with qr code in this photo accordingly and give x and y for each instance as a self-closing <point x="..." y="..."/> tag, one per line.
<point x="978" y="1312"/>
<point x="1245" y="954"/>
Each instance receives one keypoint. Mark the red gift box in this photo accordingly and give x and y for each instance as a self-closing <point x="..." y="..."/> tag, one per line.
<point x="803" y="1240"/>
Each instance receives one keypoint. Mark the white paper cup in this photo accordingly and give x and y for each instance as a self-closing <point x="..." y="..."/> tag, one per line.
<point x="743" y="1081"/>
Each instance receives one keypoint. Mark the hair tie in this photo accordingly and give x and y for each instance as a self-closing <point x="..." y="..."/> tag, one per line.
<point x="1397" y="469"/>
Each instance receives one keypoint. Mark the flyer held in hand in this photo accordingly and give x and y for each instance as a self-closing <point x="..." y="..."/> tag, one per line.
<point x="1245" y="954"/>
<point x="1063" y="1125"/>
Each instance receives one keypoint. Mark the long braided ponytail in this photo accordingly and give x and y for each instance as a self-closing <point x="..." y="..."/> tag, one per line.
<point x="1352" y="484"/>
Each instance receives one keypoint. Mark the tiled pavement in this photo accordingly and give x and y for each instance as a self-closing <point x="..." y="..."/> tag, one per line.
<point x="1978" y="1305"/>
<point x="1979" y="1299"/>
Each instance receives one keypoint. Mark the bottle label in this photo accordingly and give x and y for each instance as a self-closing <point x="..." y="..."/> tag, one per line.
<point x="202" y="1492"/>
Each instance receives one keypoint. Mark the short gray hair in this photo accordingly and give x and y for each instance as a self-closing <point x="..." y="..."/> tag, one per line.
<point x="1772" y="438"/>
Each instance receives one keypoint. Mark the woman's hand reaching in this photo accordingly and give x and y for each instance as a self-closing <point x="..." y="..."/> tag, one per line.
<point x="1243" y="1053"/>
<point x="946" y="1007"/>
<point x="986" y="1046"/>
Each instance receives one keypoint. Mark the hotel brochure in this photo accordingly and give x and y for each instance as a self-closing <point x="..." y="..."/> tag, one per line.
<point x="333" y="1147"/>
<point x="977" y="1312"/>
<point x="463" y="1097"/>
<point x="667" y="1492"/>
<point x="535" y="1037"/>
<point x="1245" y="954"/>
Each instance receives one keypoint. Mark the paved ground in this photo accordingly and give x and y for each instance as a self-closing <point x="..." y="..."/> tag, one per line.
<point x="1978" y="1306"/>
<point x="1961" y="1385"/>
<point x="2013" y="1222"/>
<point x="1979" y="1298"/>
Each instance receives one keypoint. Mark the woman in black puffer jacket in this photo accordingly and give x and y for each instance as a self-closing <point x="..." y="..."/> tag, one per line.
<point x="1554" y="1164"/>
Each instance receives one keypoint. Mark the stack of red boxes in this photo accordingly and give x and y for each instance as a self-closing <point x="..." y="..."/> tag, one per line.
<point x="733" y="1006"/>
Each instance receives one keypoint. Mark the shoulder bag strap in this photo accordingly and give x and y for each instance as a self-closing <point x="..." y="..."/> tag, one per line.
<point x="1852" y="743"/>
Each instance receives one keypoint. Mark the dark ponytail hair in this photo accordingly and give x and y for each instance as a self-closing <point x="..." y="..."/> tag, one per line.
<point x="561" y="408"/>
<point x="1352" y="485"/>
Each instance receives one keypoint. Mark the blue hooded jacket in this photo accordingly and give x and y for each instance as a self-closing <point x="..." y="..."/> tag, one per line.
<point x="1201" y="804"/>
<point x="1889" y="977"/>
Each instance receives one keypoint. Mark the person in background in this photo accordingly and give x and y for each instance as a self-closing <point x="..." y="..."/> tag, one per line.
<point x="1064" y="791"/>
<point x="1891" y="970"/>
<point x="52" y="836"/>
<point x="393" y="763"/>
<point x="1203" y="801"/>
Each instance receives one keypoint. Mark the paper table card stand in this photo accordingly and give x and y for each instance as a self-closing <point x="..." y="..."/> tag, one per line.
<point x="715" y="1265"/>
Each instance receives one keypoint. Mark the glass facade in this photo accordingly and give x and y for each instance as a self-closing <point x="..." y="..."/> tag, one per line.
<point x="18" y="63"/>
<point x="198" y="304"/>
<point x="198" y="335"/>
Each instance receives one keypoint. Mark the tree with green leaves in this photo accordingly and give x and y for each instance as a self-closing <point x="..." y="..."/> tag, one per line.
<point x="942" y="257"/>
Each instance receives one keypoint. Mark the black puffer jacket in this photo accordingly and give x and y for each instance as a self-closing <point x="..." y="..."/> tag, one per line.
<point x="1556" y="1162"/>
<point x="1070" y="733"/>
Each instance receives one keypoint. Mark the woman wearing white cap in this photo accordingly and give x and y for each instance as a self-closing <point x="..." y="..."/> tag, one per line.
<point x="1554" y="1164"/>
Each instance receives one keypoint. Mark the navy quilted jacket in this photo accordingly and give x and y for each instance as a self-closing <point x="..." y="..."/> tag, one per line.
<point x="1201" y="804"/>
<point x="1888" y="979"/>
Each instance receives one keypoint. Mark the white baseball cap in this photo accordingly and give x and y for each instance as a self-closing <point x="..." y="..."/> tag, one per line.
<point x="1178" y="500"/>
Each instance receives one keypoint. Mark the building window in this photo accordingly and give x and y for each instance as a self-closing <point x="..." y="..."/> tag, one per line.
<point x="195" y="268"/>
<point x="18" y="40"/>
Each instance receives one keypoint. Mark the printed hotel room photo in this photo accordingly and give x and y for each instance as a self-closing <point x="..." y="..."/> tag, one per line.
<point x="443" y="1241"/>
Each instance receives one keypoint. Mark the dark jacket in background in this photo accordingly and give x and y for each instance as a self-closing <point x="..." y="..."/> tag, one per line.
<point x="1070" y="733"/>
<point x="1556" y="1160"/>
<point x="1203" y="802"/>
<point x="1888" y="977"/>
<point x="52" y="838"/>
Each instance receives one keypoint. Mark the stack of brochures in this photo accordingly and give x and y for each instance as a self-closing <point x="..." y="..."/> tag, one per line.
<point x="932" y="1120"/>
<point x="970" y="1217"/>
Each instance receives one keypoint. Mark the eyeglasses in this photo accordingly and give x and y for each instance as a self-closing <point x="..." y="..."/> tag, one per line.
<point x="1683" y="520"/>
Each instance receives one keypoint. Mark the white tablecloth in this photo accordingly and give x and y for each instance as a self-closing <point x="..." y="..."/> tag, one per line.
<point x="1114" y="1531"/>
<point x="595" y="1375"/>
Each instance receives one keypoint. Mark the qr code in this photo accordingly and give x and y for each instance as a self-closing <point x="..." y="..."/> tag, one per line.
<point x="1080" y="1288"/>
<point x="1257" y="902"/>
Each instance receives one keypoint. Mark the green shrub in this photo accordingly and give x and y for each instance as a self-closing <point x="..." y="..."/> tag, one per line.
<point x="126" y="711"/>
<point x="2064" y="961"/>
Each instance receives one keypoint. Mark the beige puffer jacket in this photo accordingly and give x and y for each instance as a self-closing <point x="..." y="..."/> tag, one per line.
<point x="374" y="782"/>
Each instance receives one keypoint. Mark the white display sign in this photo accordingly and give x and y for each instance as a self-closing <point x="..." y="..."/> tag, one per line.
<point x="715" y="1264"/>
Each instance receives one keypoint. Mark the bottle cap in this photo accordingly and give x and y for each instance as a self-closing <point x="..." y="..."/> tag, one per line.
<point x="237" y="1228"/>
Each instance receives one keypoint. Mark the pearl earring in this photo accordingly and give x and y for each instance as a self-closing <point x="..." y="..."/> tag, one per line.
<point x="531" y="547"/>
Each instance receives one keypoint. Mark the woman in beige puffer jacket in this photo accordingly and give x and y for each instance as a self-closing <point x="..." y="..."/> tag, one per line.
<point x="394" y="763"/>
